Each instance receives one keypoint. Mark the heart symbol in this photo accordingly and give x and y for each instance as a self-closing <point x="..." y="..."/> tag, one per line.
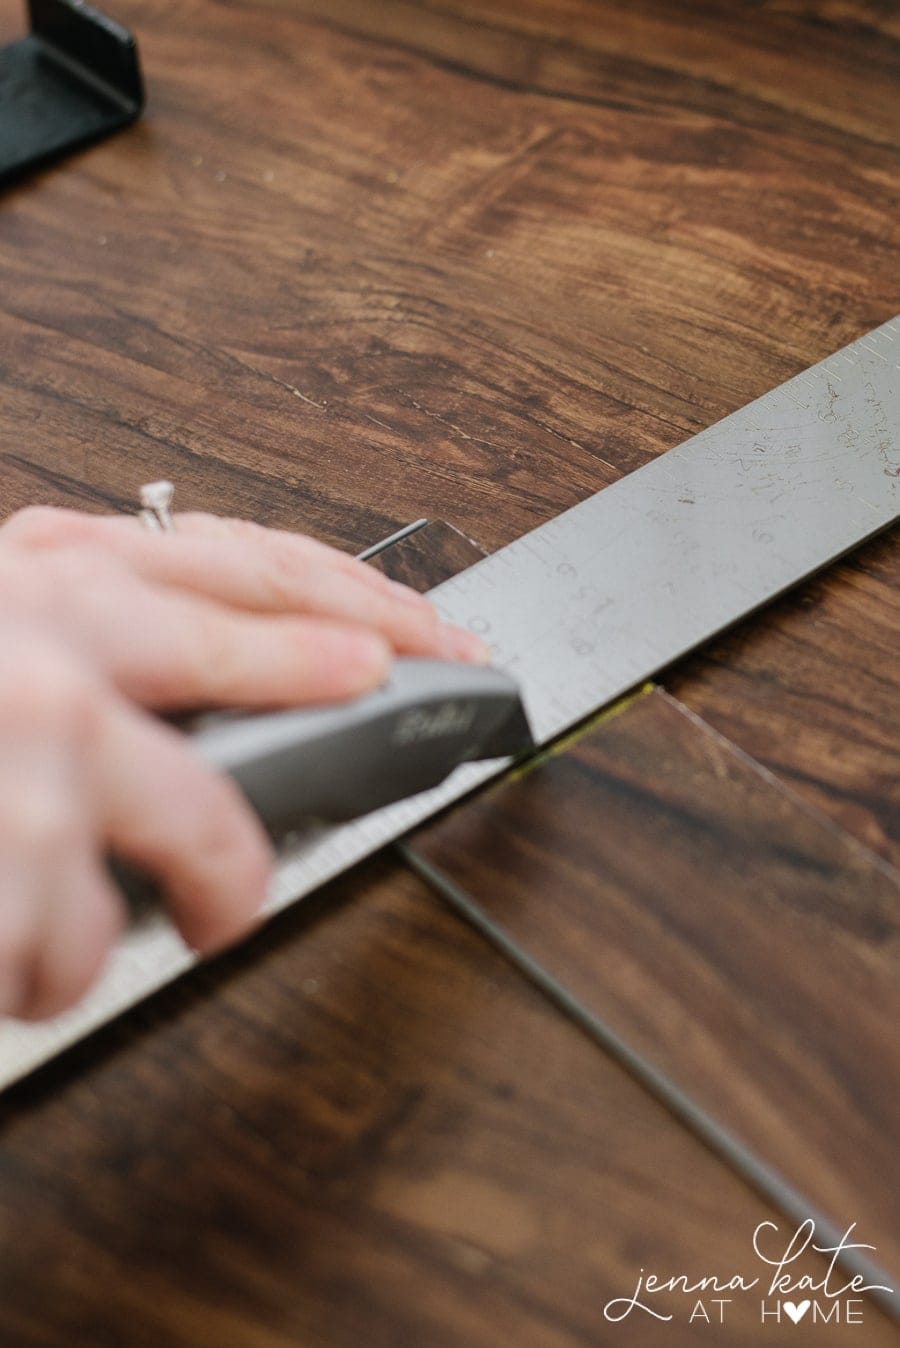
<point x="795" y="1312"/>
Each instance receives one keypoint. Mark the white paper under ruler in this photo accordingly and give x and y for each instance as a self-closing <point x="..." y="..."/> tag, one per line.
<point x="604" y="596"/>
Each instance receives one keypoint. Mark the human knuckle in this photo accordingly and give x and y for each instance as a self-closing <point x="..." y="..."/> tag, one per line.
<point x="205" y="658"/>
<point x="382" y="609"/>
<point x="227" y="837"/>
<point x="69" y="574"/>
<point x="222" y="808"/>
<point x="32" y="524"/>
<point x="44" y="824"/>
<point x="50" y="692"/>
<point x="85" y="566"/>
<point x="42" y="526"/>
<point x="227" y="528"/>
<point x="285" y="580"/>
<point x="57" y="688"/>
<point x="246" y="530"/>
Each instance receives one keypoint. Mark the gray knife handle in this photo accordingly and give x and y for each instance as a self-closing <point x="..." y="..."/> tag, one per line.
<point x="338" y="761"/>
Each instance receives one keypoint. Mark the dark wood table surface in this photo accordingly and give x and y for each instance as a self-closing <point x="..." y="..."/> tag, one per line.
<point x="361" y="263"/>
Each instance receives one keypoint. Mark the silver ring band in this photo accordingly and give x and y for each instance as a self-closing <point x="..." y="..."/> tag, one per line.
<point x="156" y="497"/>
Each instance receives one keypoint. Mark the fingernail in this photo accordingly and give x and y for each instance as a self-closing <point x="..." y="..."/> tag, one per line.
<point x="408" y="596"/>
<point x="367" y="659"/>
<point x="457" y="644"/>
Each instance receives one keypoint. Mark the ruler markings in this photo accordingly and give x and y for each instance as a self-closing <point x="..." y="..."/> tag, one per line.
<point x="600" y="599"/>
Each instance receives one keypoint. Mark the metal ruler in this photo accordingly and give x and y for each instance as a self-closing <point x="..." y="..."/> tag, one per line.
<point x="604" y="596"/>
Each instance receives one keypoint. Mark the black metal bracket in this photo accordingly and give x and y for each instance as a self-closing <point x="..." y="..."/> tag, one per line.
<point x="74" y="79"/>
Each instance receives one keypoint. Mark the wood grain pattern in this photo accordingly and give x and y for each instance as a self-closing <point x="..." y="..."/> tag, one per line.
<point x="431" y="555"/>
<point x="730" y="933"/>
<point x="363" y="1128"/>
<point x="690" y="753"/>
<point x="813" y="692"/>
<point x="336" y="280"/>
<point x="361" y="263"/>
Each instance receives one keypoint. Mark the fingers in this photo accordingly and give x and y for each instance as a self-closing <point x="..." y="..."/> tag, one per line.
<point x="173" y="648"/>
<point x="58" y="914"/>
<point x="83" y="774"/>
<point x="168" y="649"/>
<point x="223" y="613"/>
<point x="166" y="811"/>
<point x="246" y="566"/>
<point x="83" y="918"/>
<point x="267" y="574"/>
<point x="52" y="526"/>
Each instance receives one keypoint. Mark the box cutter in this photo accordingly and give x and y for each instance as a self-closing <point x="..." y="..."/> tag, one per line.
<point x="588" y="605"/>
<point x="342" y="760"/>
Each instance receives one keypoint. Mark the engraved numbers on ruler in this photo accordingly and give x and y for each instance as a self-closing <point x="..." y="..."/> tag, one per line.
<point x="608" y="593"/>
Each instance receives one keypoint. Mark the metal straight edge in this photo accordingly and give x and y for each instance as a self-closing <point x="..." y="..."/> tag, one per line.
<point x="603" y="597"/>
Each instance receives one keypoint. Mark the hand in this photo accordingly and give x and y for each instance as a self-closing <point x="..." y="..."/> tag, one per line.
<point x="100" y="620"/>
<point x="220" y="613"/>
